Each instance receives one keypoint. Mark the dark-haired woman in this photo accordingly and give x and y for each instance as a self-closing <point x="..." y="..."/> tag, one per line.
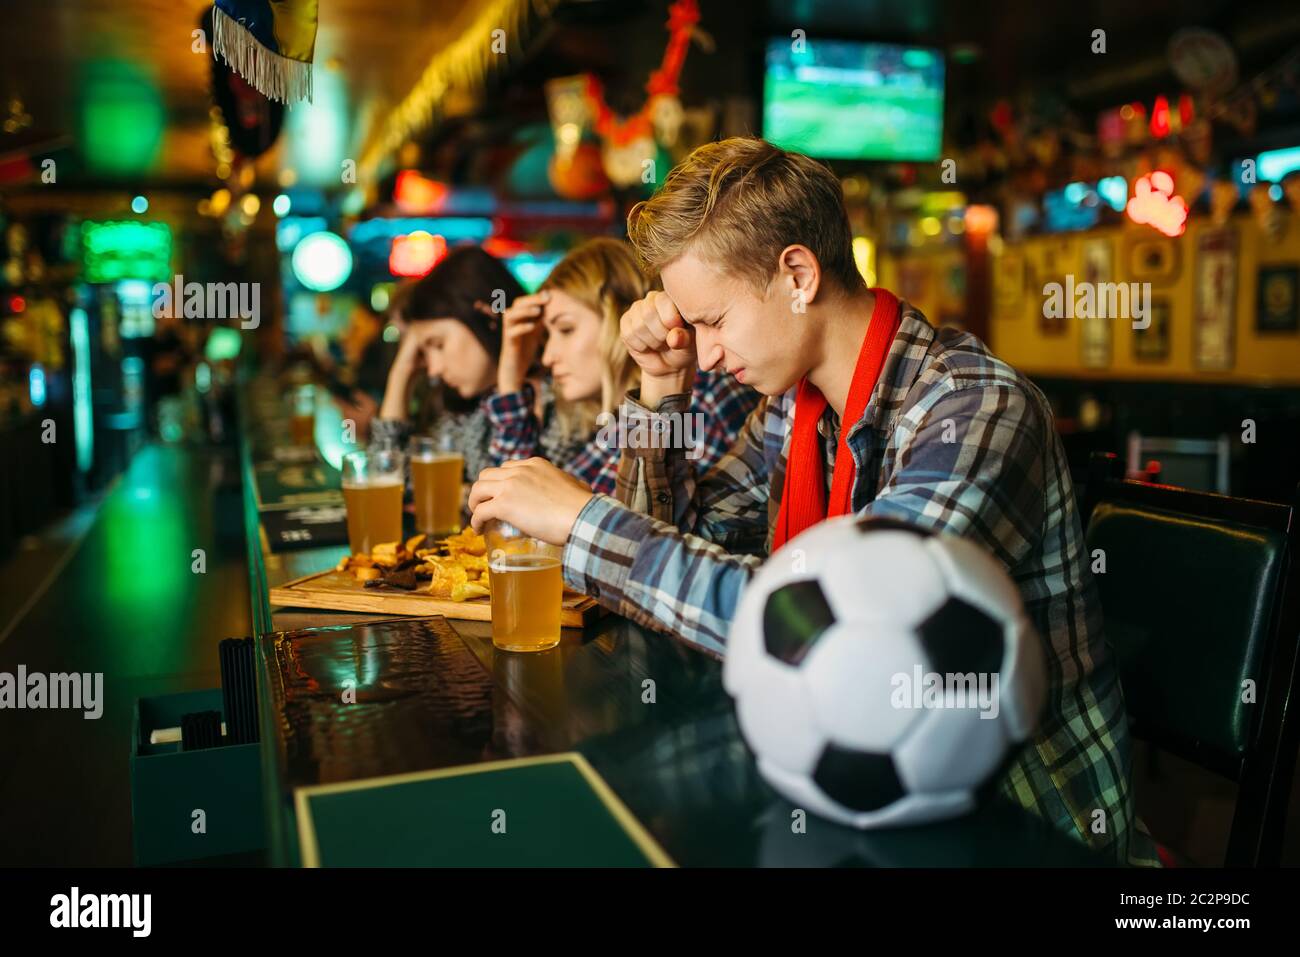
<point x="446" y="365"/>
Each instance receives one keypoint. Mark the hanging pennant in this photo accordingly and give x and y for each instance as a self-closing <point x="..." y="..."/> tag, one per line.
<point x="269" y="43"/>
<point x="627" y="142"/>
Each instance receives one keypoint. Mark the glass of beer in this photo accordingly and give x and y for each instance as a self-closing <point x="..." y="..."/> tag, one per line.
<point x="436" y="480"/>
<point x="527" y="589"/>
<point x="373" y="482"/>
<point x="302" y="416"/>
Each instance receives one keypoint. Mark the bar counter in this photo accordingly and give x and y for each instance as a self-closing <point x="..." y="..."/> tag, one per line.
<point x="649" y="714"/>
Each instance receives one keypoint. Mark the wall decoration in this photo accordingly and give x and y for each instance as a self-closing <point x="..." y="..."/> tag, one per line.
<point x="1152" y="343"/>
<point x="1009" y="284"/>
<point x="1266" y="213"/>
<point x="269" y="44"/>
<point x="629" y="146"/>
<point x="1098" y="266"/>
<point x="1153" y="260"/>
<point x="1053" y="269"/>
<point x="1216" y="296"/>
<point x="1278" y="308"/>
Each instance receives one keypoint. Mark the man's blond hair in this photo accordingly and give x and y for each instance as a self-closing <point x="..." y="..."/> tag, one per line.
<point x="738" y="203"/>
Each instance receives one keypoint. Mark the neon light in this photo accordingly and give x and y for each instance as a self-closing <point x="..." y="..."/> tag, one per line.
<point x="981" y="220"/>
<point x="1154" y="204"/>
<point x="1114" y="190"/>
<point x="1160" y="118"/>
<point x="1274" y="164"/>
<point x="1185" y="114"/>
<point x="416" y="254"/>
<point x="453" y="229"/>
<point x="223" y="343"/>
<point x="281" y="205"/>
<point x="126" y="250"/>
<point x="1076" y="192"/>
<point x="36" y="385"/>
<point x="79" y="333"/>
<point x="135" y="292"/>
<point x="17" y="304"/>
<point x="414" y="193"/>
<point x="322" y="261"/>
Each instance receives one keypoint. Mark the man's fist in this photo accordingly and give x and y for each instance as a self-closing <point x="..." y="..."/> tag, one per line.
<point x="659" y="340"/>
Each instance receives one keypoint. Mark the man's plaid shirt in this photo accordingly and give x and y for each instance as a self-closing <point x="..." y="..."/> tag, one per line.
<point x="953" y="440"/>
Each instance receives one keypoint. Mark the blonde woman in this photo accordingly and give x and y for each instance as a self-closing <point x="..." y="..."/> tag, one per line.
<point x="577" y="311"/>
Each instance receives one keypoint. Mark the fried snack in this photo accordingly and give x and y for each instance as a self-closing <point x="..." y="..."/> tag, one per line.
<point x="449" y="575"/>
<point x="386" y="553"/>
<point x="469" y="590"/>
<point x="473" y="563"/>
<point x="367" y="574"/>
<point x="414" y="542"/>
<point x="468" y="542"/>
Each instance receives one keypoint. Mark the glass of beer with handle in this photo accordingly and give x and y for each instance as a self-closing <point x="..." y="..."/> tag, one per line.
<point x="373" y="482"/>
<point x="527" y="589"/>
<point x="437" y="478"/>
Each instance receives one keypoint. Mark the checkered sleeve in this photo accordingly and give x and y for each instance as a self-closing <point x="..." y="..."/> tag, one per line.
<point x="516" y="433"/>
<point x="670" y="552"/>
<point x="648" y="571"/>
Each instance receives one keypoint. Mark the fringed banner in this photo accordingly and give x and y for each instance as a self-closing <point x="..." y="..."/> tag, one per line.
<point x="269" y="43"/>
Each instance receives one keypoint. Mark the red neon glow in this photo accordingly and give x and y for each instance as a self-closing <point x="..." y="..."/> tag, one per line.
<point x="1154" y="204"/>
<point x="504" y="248"/>
<point x="418" y="194"/>
<point x="416" y="253"/>
<point x="17" y="304"/>
<point x="1160" y="118"/>
<point x="981" y="220"/>
<point x="1185" y="110"/>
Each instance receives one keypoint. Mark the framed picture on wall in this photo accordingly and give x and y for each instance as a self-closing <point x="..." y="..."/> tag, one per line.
<point x="1278" y="305"/>
<point x="1049" y="269"/>
<point x="1214" y="320"/>
<point x="1154" y="259"/>
<point x="1097" y="267"/>
<point x="1152" y="343"/>
<point x="1009" y="284"/>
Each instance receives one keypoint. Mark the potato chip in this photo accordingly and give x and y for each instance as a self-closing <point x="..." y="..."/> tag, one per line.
<point x="469" y="590"/>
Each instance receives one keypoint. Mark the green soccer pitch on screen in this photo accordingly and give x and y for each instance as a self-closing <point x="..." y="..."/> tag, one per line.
<point x="841" y="99"/>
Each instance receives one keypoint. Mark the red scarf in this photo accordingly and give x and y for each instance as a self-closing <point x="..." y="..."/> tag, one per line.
<point x="803" y="500"/>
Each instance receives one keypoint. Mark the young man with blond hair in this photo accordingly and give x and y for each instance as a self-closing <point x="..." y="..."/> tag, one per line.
<point x="753" y="246"/>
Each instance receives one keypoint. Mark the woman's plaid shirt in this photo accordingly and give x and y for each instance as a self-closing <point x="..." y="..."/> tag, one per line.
<point x="721" y="404"/>
<point x="952" y="439"/>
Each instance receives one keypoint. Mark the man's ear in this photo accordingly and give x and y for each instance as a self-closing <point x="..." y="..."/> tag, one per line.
<point x="799" y="276"/>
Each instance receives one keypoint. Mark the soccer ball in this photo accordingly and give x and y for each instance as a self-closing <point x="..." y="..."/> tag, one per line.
<point x="882" y="674"/>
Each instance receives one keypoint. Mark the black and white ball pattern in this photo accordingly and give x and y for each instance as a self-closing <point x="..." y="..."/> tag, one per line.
<point x="827" y="643"/>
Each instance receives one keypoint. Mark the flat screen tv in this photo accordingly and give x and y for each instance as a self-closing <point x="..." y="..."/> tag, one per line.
<point x="842" y="99"/>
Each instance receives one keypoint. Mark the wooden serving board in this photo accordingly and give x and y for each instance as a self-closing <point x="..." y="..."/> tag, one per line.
<point x="340" y="591"/>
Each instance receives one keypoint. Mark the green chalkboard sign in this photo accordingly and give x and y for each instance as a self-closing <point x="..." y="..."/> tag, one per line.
<point x="551" y="811"/>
